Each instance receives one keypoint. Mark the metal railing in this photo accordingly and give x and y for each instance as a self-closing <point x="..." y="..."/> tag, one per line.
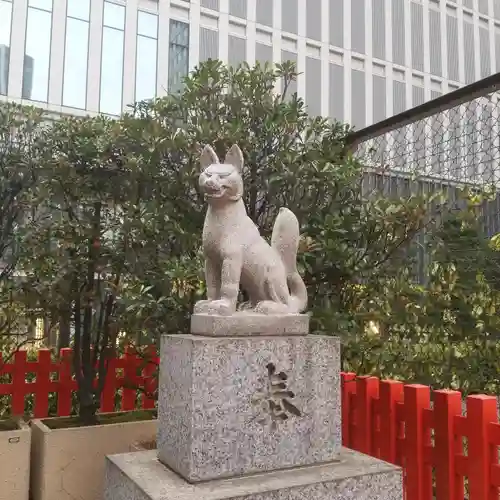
<point x="453" y="139"/>
<point x="442" y="145"/>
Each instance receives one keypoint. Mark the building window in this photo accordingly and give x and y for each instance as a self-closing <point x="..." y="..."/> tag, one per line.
<point x="210" y="4"/>
<point x="209" y="44"/>
<point x="178" y="56"/>
<point x="237" y="50"/>
<point x="76" y="54"/>
<point x="112" y="59"/>
<point x="5" y="25"/>
<point x="37" y="51"/>
<point x="146" y="63"/>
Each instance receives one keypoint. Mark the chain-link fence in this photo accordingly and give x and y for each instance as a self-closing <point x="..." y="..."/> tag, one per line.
<point x="443" y="144"/>
<point x="454" y="138"/>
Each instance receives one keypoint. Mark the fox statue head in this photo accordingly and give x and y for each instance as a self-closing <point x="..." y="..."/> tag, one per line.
<point x="221" y="183"/>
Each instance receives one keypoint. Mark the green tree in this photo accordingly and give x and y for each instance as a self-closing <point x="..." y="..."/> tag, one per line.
<point x="88" y="245"/>
<point x="444" y="334"/>
<point x="115" y="241"/>
<point x="292" y="160"/>
<point x="20" y="148"/>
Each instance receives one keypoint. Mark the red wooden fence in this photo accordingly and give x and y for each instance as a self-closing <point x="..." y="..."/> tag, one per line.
<point x="397" y="423"/>
<point x="385" y="419"/>
<point x="55" y="377"/>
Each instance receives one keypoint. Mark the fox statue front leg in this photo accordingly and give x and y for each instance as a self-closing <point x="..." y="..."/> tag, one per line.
<point x="229" y="283"/>
<point x="212" y="279"/>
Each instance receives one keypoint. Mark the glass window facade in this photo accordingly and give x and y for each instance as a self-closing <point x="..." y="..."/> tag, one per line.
<point x="114" y="16"/>
<point x="111" y="91"/>
<point x="5" y="31"/>
<point x="71" y="53"/>
<point x="147" y="50"/>
<point x="79" y="9"/>
<point x="41" y="4"/>
<point x="147" y="24"/>
<point x="37" y="51"/>
<point x="76" y="54"/>
<point x="178" y="55"/>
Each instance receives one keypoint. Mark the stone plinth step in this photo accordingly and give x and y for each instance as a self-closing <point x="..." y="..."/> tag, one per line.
<point x="141" y="476"/>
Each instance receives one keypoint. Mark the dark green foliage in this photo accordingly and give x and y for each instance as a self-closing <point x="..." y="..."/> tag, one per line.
<point x="111" y="244"/>
<point x="444" y="334"/>
<point x="291" y="159"/>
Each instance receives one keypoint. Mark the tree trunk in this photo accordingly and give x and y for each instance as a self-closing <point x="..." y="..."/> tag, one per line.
<point x="88" y="415"/>
<point x="87" y="408"/>
<point x="138" y="339"/>
<point x="49" y="333"/>
<point x="64" y="330"/>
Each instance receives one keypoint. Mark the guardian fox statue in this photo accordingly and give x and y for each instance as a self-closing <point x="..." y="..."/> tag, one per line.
<point x="236" y="253"/>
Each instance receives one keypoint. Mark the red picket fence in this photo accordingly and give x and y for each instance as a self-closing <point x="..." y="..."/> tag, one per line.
<point x="386" y="419"/>
<point x="55" y="377"/>
<point x="397" y="423"/>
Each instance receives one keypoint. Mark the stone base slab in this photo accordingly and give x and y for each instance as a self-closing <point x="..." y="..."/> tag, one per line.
<point x="140" y="476"/>
<point x="247" y="323"/>
<point x="241" y="405"/>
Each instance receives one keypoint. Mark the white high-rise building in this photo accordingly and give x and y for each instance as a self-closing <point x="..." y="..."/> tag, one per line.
<point x="360" y="60"/>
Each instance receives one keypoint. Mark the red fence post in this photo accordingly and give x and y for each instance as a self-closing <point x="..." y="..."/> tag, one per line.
<point x="130" y="383"/>
<point x="481" y="412"/>
<point x="65" y="383"/>
<point x="18" y="383"/>
<point x="447" y="444"/>
<point x="391" y="393"/>
<point x="417" y="437"/>
<point x="348" y="387"/>
<point x="366" y="393"/>
<point x="150" y="381"/>
<point x="42" y="383"/>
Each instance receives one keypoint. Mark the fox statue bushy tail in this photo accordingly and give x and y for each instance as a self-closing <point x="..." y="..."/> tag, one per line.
<point x="285" y="240"/>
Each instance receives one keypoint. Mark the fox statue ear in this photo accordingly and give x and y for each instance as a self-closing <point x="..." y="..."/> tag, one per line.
<point x="208" y="157"/>
<point x="235" y="157"/>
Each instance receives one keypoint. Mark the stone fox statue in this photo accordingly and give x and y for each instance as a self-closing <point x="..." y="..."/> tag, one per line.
<point x="236" y="253"/>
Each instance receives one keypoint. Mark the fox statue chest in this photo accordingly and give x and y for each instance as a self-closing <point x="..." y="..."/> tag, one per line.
<point x="226" y="233"/>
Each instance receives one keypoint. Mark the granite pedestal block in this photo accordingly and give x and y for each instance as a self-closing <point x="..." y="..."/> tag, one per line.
<point x="242" y="405"/>
<point x="246" y="323"/>
<point x="140" y="476"/>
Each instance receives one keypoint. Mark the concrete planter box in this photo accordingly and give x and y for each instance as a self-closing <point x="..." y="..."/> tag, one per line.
<point x="69" y="463"/>
<point x="15" y="462"/>
<point x="143" y="445"/>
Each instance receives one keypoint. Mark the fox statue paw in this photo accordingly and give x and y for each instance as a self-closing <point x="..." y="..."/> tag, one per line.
<point x="271" y="307"/>
<point x="221" y="307"/>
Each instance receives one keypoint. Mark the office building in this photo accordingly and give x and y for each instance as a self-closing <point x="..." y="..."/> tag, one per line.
<point x="360" y="60"/>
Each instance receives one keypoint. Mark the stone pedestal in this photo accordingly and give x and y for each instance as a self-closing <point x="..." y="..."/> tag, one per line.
<point x="253" y="417"/>
<point x="240" y="405"/>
